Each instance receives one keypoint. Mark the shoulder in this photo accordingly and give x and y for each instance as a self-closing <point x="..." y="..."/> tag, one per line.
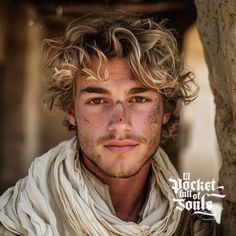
<point x="5" y="232"/>
<point x="195" y="225"/>
<point x="56" y="155"/>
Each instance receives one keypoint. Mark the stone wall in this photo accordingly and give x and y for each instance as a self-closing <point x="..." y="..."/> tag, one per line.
<point x="217" y="27"/>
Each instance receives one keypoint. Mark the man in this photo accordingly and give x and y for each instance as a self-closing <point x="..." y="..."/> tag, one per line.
<point x="120" y="81"/>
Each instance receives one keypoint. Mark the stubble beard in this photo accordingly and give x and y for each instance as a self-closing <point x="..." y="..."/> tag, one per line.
<point x="111" y="171"/>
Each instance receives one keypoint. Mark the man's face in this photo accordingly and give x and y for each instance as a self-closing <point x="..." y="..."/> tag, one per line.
<point x="118" y="121"/>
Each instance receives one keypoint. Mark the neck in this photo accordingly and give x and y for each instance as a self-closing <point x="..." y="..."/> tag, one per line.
<point x="127" y="194"/>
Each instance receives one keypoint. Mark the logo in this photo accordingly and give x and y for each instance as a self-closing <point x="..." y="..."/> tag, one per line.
<point x="196" y="195"/>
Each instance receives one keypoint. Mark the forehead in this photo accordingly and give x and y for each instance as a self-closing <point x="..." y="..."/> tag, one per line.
<point x="114" y="73"/>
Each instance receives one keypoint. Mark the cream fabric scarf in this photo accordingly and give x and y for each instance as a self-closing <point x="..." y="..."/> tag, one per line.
<point x="57" y="198"/>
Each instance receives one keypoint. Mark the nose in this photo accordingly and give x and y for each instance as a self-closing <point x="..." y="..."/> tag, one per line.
<point x="119" y="118"/>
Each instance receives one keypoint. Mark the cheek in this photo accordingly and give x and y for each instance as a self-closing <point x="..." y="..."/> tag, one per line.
<point x="86" y="124"/>
<point x="150" y="117"/>
<point x="149" y="124"/>
<point x="88" y="120"/>
<point x="155" y="115"/>
<point x="154" y="126"/>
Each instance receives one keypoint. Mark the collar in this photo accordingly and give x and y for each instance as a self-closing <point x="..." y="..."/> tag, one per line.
<point x="102" y="190"/>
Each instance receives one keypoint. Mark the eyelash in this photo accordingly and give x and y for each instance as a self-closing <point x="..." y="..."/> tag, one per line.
<point x="91" y="102"/>
<point x="103" y="101"/>
<point x="143" y="99"/>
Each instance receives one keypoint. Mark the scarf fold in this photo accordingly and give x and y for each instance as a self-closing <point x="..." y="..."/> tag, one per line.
<point x="58" y="197"/>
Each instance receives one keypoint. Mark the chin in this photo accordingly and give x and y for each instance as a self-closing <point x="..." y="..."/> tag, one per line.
<point x="125" y="170"/>
<point x="122" y="174"/>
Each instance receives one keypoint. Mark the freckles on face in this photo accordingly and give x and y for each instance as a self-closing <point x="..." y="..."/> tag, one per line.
<point x="152" y="115"/>
<point x="152" y="125"/>
<point x="89" y="119"/>
<point x="155" y="113"/>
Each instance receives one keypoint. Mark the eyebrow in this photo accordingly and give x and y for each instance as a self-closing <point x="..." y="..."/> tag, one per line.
<point x="95" y="90"/>
<point x="136" y="90"/>
<point x="101" y="90"/>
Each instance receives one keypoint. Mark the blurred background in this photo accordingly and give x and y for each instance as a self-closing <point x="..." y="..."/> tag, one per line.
<point x="28" y="130"/>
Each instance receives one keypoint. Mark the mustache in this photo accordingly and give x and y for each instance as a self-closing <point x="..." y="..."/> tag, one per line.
<point x="111" y="137"/>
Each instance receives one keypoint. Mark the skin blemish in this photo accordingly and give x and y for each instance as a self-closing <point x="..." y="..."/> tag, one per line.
<point x="86" y="120"/>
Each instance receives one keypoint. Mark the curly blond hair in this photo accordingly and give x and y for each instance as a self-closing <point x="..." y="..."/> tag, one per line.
<point x="148" y="47"/>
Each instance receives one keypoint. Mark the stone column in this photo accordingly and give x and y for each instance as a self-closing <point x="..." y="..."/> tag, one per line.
<point x="216" y="22"/>
<point x="20" y="87"/>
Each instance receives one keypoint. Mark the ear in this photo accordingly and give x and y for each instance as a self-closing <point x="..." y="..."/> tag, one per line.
<point x="71" y="117"/>
<point x="166" y="118"/>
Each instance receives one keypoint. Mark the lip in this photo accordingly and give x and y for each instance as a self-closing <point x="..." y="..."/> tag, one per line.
<point x="120" y="146"/>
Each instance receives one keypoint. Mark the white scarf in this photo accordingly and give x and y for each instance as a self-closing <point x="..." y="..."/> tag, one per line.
<point x="58" y="197"/>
